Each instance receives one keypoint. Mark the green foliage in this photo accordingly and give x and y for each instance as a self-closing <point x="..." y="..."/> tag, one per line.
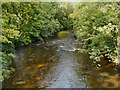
<point x="44" y="20"/>
<point x="6" y="61"/>
<point x="97" y="26"/>
<point x="63" y="15"/>
<point x="10" y="33"/>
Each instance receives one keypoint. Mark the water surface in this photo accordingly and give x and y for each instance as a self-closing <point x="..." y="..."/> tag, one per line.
<point x="57" y="63"/>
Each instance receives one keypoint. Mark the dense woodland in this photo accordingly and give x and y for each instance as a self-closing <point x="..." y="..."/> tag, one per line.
<point x="96" y="25"/>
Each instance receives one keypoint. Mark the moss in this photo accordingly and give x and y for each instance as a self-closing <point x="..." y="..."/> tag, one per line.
<point x="63" y="34"/>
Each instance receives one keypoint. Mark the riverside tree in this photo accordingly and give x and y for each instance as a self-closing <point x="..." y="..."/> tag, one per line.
<point x="97" y="27"/>
<point x="26" y="22"/>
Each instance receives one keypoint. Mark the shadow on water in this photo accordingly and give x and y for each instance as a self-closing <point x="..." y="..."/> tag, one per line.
<point x="56" y="63"/>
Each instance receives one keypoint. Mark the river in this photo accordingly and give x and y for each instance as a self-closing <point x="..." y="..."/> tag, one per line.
<point x="57" y="63"/>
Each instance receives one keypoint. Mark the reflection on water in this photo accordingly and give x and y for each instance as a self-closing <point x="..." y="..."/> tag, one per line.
<point x="56" y="63"/>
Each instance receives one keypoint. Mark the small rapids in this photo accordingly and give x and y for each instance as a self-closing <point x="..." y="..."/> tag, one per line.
<point x="56" y="63"/>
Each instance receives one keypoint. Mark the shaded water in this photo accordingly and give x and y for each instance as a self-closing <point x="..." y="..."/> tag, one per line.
<point x="56" y="63"/>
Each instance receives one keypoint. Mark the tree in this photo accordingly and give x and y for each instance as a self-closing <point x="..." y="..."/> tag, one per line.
<point x="97" y="26"/>
<point x="23" y="23"/>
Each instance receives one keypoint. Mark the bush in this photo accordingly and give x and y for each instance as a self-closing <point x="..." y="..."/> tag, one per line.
<point x="97" y="27"/>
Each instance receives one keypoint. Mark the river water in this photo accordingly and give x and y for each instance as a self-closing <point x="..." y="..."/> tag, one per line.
<point x="57" y="63"/>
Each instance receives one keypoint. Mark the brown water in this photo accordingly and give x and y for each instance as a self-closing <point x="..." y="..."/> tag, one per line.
<point x="56" y="63"/>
